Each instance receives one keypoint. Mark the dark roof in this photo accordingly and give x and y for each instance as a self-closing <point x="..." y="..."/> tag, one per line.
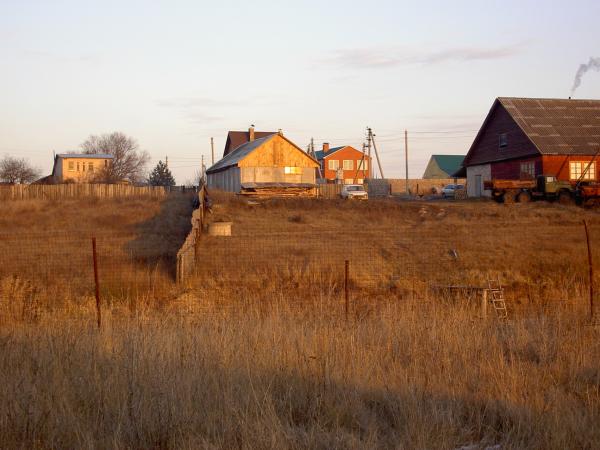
<point x="239" y="153"/>
<point x="237" y="138"/>
<point x="448" y="163"/>
<point x="319" y="155"/>
<point x="557" y="126"/>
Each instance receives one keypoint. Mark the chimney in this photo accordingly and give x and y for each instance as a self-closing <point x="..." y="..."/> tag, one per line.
<point x="325" y="147"/>
<point x="280" y="132"/>
<point x="251" y="133"/>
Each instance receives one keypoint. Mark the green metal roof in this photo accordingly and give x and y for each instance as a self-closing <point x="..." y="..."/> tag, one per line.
<point x="449" y="163"/>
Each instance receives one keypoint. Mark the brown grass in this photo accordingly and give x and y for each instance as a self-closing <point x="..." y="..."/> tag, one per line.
<point x="257" y="352"/>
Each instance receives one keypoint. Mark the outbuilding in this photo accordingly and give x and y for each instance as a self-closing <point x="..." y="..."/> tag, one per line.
<point x="522" y="138"/>
<point x="271" y="165"/>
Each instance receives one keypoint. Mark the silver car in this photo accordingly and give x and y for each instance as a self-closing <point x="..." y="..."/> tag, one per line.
<point x="450" y="189"/>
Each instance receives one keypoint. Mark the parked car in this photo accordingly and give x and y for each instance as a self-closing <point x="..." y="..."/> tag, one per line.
<point x="354" y="191"/>
<point x="450" y="189"/>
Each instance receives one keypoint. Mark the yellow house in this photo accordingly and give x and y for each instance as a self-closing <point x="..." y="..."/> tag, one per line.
<point x="79" y="167"/>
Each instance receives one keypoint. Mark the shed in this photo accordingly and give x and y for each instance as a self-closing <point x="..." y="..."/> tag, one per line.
<point x="443" y="166"/>
<point x="271" y="165"/>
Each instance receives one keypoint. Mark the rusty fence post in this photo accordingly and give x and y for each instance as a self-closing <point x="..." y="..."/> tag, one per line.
<point x="590" y="268"/>
<point x="346" y="288"/>
<point x="96" y="283"/>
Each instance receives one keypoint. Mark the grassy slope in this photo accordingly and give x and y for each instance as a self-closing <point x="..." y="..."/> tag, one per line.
<point x="260" y="373"/>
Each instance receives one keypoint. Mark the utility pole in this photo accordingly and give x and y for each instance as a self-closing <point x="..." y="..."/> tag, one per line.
<point x="376" y="153"/>
<point x="212" y="150"/>
<point x="406" y="156"/>
<point x="369" y="149"/>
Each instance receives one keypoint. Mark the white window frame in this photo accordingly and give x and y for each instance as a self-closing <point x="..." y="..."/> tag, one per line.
<point x="363" y="165"/>
<point x="333" y="164"/>
<point x="528" y="168"/>
<point x="293" y="170"/>
<point x="348" y="164"/>
<point x="576" y="169"/>
<point x="71" y="166"/>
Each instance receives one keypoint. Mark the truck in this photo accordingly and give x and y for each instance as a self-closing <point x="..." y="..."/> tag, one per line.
<point x="543" y="187"/>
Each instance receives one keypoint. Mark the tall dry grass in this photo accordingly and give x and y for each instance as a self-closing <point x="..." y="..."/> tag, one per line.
<point x="408" y="376"/>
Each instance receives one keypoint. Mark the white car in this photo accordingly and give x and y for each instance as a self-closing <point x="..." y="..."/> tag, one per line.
<point x="357" y="191"/>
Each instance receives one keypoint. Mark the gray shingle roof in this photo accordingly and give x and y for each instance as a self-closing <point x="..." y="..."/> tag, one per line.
<point x="557" y="126"/>
<point x="239" y="153"/>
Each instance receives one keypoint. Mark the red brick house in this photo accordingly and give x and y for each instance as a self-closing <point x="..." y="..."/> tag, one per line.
<point x="343" y="164"/>
<point x="525" y="137"/>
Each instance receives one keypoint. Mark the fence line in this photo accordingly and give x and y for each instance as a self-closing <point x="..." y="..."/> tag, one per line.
<point x="60" y="191"/>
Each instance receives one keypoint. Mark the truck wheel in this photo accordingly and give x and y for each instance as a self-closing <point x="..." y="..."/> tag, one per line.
<point x="510" y="197"/>
<point x="564" y="198"/>
<point x="524" y="197"/>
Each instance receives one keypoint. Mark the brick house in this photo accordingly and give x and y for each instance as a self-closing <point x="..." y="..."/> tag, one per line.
<point x="343" y="164"/>
<point x="78" y="168"/>
<point x="522" y="138"/>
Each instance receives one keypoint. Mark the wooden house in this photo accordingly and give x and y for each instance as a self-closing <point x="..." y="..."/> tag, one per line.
<point x="271" y="165"/>
<point x="522" y="138"/>
<point x="344" y="165"/>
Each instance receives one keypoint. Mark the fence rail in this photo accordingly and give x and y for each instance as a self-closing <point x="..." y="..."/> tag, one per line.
<point x="60" y="191"/>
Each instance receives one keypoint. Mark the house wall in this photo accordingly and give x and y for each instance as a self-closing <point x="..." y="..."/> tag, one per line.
<point x="276" y="175"/>
<point x="511" y="170"/>
<point x="486" y="148"/>
<point x="347" y="153"/>
<point x="433" y="170"/>
<point x="78" y="170"/>
<point x="278" y="152"/>
<point x="559" y="165"/>
<point x="226" y="180"/>
<point x="485" y="173"/>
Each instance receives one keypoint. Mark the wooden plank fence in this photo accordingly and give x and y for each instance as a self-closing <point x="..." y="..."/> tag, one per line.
<point x="60" y="191"/>
<point x="187" y="256"/>
<point x="329" y="190"/>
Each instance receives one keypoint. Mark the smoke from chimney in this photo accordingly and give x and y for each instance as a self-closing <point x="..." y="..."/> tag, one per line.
<point x="593" y="63"/>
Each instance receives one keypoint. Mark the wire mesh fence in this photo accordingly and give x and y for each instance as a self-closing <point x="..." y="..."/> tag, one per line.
<point x="56" y="270"/>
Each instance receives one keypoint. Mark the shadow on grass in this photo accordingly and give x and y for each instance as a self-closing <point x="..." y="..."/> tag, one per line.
<point x="160" y="238"/>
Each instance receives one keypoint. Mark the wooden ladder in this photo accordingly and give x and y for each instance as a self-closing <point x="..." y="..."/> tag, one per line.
<point x="496" y="297"/>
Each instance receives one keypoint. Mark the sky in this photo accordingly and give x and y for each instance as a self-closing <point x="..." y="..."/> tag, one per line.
<point x="173" y="74"/>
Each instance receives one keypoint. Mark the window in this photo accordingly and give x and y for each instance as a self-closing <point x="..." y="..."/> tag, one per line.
<point x="577" y="168"/>
<point x="527" y="170"/>
<point x="503" y="140"/>
<point x="106" y="163"/>
<point x="363" y="165"/>
<point x="348" y="164"/>
<point x="77" y="167"/>
<point x="293" y="170"/>
<point x="349" y="181"/>
<point x="83" y="166"/>
<point x="91" y="167"/>
<point x="333" y="164"/>
<point x="360" y="180"/>
<point x="71" y="166"/>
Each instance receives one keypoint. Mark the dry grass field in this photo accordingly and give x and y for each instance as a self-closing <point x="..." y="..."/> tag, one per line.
<point x="256" y="351"/>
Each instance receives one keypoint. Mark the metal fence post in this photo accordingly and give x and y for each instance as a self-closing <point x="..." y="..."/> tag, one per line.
<point x="590" y="268"/>
<point x="96" y="283"/>
<point x="346" y="287"/>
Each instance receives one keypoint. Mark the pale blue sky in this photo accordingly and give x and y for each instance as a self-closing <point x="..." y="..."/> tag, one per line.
<point x="173" y="74"/>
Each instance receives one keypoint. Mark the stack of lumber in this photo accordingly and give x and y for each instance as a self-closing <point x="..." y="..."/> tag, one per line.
<point x="274" y="191"/>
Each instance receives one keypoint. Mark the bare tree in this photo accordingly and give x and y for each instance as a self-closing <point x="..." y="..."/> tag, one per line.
<point x="129" y="162"/>
<point x="17" y="171"/>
